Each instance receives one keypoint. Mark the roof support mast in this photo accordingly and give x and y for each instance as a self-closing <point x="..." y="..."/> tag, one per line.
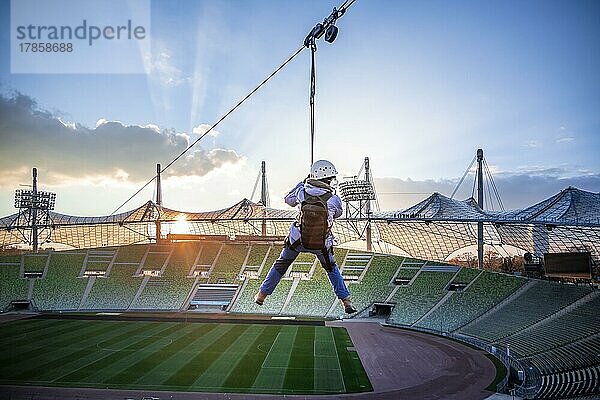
<point x="368" y="207"/>
<point x="480" y="203"/>
<point x="158" y="203"/>
<point x="264" y="195"/>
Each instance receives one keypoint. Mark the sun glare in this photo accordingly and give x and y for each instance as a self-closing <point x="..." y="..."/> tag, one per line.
<point x="181" y="225"/>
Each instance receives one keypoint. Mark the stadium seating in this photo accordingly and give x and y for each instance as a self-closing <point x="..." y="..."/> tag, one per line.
<point x="99" y="259"/>
<point x="374" y="286"/>
<point x="273" y="304"/>
<point x="581" y="383"/>
<point x="35" y="262"/>
<point x="572" y="356"/>
<point x="61" y="289"/>
<point x="413" y="301"/>
<point x="229" y="264"/>
<point x="115" y="292"/>
<point x="169" y="291"/>
<point x="575" y="324"/>
<point x="182" y="259"/>
<point x="12" y="286"/>
<point x="131" y="254"/>
<point x="257" y="254"/>
<point x="155" y="261"/>
<point x="466" y="275"/>
<point x="406" y="273"/>
<point x="313" y="297"/>
<point x="462" y="307"/>
<point x="537" y="302"/>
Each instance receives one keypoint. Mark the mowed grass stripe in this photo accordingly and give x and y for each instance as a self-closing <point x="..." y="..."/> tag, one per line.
<point x="272" y="374"/>
<point x="24" y="326"/>
<point x="328" y="373"/>
<point x="168" y="368"/>
<point x="50" y="365"/>
<point x="153" y="344"/>
<point x="145" y="365"/>
<point x="28" y="354"/>
<point x="217" y="373"/>
<point x="187" y="374"/>
<point x="299" y="375"/>
<point x="132" y="344"/>
<point x="355" y="377"/>
<point x="45" y="332"/>
<point x="21" y="346"/>
<point x="243" y="375"/>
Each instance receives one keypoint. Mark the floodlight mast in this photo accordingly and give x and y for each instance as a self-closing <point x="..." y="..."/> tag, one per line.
<point x="34" y="228"/>
<point x="357" y="194"/>
<point x="33" y="216"/>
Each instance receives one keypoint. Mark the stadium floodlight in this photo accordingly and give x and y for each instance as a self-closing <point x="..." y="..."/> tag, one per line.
<point x="35" y="200"/>
<point x="356" y="190"/>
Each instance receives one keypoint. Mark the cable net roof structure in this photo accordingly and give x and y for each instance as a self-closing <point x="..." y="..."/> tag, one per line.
<point x="438" y="226"/>
<point x="432" y="229"/>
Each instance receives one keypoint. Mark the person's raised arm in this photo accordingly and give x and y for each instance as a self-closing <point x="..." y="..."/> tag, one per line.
<point x="291" y="199"/>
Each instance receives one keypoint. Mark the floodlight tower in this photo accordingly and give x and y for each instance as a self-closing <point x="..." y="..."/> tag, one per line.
<point x="34" y="207"/>
<point x="480" y="203"/>
<point x="357" y="194"/>
<point x="34" y="228"/>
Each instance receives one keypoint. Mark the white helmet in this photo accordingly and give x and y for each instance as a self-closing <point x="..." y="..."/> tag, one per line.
<point x="322" y="169"/>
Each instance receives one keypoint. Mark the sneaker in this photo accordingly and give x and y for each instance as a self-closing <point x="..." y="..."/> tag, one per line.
<point x="348" y="306"/>
<point x="260" y="298"/>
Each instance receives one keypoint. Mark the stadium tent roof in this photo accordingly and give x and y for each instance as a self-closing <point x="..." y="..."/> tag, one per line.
<point x="438" y="226"/>
<point x="138" y="225"/>
<point x="432" y="229"/>
<point x="569" y="207"/>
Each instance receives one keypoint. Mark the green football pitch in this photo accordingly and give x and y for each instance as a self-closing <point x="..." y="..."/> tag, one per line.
<point x="213" y="357"/>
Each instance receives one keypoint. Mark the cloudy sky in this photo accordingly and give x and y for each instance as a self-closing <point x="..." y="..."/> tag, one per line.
<point x="417" y="86"/>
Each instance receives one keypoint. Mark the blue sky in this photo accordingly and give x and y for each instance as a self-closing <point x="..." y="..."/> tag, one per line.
<point x="417" y="86"/>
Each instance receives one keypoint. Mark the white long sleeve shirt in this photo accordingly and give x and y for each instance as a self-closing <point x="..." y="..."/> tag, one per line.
<point x="314" y="188"/>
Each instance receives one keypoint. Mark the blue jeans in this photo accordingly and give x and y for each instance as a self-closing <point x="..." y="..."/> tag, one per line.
<point x="286" y="259"/>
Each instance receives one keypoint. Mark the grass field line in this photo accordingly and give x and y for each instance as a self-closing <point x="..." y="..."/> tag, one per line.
<point x="91" y="356"/>
<point x="229" y="358"/>
<point x="328" y="374"/>
<point x="304" y="368"/>
<point x="277" y="342"/>
<point x="173" y="362"/>
<point x="147" y="363"/>
<point x="208" y="389"/>
<point x="337" y="359"/>
<point x="123" y="363"/>
<point x="101" y="358"/>
<point x="45" y="361"/>
<point x="278" y="356"/>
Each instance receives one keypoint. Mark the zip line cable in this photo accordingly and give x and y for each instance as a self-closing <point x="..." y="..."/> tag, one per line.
<point x="286" y="62"/>
<point x="337" y="13"/>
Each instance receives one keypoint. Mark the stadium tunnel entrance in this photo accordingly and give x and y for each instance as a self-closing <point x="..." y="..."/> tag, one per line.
<point x="381" y="310"/>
